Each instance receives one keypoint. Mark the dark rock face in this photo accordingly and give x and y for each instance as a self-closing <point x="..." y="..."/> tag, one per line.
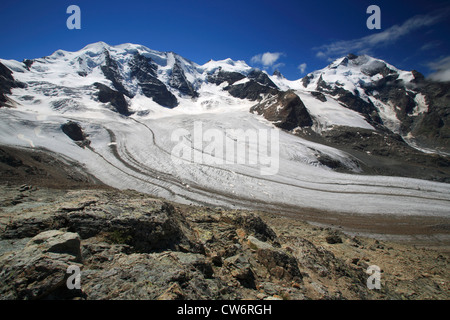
<point x="380" y="68"/>
<point x="110" y="70"/>
<point x="350" y="100"/>
<point x="28" y="63"/>
<point x="286" y="110"/>
<point x="355" y="103"/>
<point x="155" y="89"/>
<point x="433" y="127"/>
<point x="142" y="68"/>
<point x="40" y="166"/>
<point x="222" y="76"/>
<point x="251" y="90"/>
<point x="145" y="71"/>
<point x="261" y="78"/>
<point x="7" y="79"/>
<point x="155" y="230"/>
<point x="178" y="81"/>
<point x="319" y="96"/>
<point x="117" y="100"/>
<point x="259" y="84"/>
<point x="7" y="82"/>
<point x="418" y="77"/>
<point x="391" y="90"/>
<point x="307" y="79"/>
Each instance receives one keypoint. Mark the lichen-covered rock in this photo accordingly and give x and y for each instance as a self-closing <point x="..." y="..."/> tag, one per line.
<point x="39" y="270"/>
<point x="279" y="263"/>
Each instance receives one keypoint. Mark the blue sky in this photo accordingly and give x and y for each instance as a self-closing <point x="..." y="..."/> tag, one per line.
<point x="296" y="37"/>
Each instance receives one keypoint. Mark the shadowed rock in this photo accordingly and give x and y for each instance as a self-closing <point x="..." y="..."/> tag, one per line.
<point x="7" y="82"/>
<point x="144" y="70"/>
<point x="115" y="98"/>
<point x="286" y="110"/>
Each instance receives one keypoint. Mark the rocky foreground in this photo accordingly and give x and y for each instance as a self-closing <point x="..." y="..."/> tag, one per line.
<point x="129" y="245"/>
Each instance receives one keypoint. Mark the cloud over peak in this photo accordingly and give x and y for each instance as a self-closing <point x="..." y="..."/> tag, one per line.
<point x="267" y="59"/>
<point x="441" y="69"/>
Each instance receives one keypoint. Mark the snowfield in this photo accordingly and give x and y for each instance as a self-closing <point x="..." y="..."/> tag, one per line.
<point x="136" y="152"/>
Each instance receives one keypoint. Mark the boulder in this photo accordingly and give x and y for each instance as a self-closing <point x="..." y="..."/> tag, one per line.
<point x="279" y="264"/>
<point x="73" y="130"/>
<point x="240" y="268"/>
<point x="57" y="241"/>
<point x="333" y="238"/>
<point x="39" y="270"/>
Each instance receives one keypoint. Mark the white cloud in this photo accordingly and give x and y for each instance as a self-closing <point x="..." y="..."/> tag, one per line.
<point x="441" y="69"/>
<point x="430" y="45"/>
<point x="320" y="54"/>
<point x="302" y="67"/>
<point x="386" y="37"/>
<point x="267" y="59"/>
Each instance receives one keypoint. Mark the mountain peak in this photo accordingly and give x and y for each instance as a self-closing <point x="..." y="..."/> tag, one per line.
<point x="228" y="65"/>
<point x="100" y="45"/>
<point x="351" y="56"/>
<point x="278" y="74"/>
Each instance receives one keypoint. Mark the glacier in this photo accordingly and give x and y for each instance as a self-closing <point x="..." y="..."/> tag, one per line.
<point x="135" y="152"/>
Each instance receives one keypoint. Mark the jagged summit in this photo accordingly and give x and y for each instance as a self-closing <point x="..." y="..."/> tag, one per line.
<point x="278" y="74"/>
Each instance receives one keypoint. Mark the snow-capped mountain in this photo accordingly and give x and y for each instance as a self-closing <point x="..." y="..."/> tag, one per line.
<point x="356" y="91"/>
<point x="401" y="101"/>
<point x="114" y="110"/>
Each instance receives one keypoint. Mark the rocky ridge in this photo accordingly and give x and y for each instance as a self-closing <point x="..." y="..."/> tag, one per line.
<point x="131" y="246"/>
